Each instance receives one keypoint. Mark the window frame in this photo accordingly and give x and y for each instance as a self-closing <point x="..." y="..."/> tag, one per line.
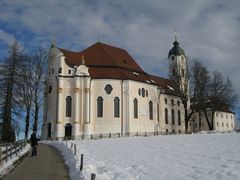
<point x="135" y="108"/>
<point x="68" y="106"/>
<point x="99" y="107"/>
<point x="116" y="107"/>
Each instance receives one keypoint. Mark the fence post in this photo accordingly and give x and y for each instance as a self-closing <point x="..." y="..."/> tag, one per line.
<point x="0" y="156"/>
<point x="93" y="176"/>
<point x="75" y="149"/>
<point x="81" y="166"/>
<point x="118" y="134"/>
<point x="6" y="153"/>
<point x="145" y="133"/>
<point x="109" y="135"/>
<point x="11" y="149"/>
<point x="71" y="145"/>
<point x="91" y="136"/>
<point x="15" y="145"/>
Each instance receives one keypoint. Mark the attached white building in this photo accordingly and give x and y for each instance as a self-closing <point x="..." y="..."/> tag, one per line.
<point x="221" y="120"/>
<point x="103" y="90"/>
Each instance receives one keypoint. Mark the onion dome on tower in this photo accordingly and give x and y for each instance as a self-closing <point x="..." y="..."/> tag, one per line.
<point x="176" y="50"/>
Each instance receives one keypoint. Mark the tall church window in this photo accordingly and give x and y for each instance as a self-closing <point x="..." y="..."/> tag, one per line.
<point x="99" y="106"/>
<point x="158" y="112"/>
<point x="166" y="116"/>
<point x="143" y="92"/>
<point x="173" y="117"/>
<point x="165" y="100"/>
<point x="68" y="106"/>
<point x="116" y="107"/>
<point x="135" y="107"/>
<point x="179" y="118"/>
<point x="183" y="73"/>
<point x="150" y="110"/>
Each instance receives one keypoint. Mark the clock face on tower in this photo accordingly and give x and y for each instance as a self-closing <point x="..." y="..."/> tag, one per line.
<point x="172" y="57"/>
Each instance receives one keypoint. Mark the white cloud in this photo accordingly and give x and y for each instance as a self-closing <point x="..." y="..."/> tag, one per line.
<point x="207" y="30"/>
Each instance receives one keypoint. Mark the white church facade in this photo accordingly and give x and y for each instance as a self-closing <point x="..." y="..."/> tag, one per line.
<point x="103" y="90"/>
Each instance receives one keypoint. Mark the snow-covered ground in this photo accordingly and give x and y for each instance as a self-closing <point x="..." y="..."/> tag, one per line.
<point x="6" y="167"/>
<point x="198" y="156"/>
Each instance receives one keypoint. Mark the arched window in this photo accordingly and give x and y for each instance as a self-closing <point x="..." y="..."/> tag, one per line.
<point x="150" y="110"/>
<point x="143" y="92"/>
<point x="60" y="70"/>
<point x="179" y="118"/>
<point x="173" y="117"/>
<point x="116" y="107"/>
<point x="135" y="107"/>
<point x="68" y="106"/>
<point x="166" y="116"/>
<point x="183" y="73"/>
<point x="165" y="100"/>
<point x="99" y="107"/>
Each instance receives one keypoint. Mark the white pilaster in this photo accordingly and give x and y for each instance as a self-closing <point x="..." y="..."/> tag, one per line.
<point x="76" y="126"/>
<point x="59" y="124"/>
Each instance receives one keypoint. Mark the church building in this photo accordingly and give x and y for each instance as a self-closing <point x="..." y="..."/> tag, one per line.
<point x="103" y="90"/>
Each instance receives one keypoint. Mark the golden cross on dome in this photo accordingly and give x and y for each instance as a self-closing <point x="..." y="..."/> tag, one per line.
<point x="175" y="35"/>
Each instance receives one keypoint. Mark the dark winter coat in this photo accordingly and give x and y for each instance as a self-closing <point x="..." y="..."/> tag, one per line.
<point x="33" y="139"/>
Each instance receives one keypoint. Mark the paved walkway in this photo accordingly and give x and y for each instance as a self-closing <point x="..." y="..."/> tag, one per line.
<point x="48" y="165"/>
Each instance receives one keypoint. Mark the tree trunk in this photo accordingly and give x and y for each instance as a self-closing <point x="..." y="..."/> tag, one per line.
<point x="208" y="122"/>
<point x="27" y="120"/>
<point x="35" y="125"/>
<point x="200" y="120"/>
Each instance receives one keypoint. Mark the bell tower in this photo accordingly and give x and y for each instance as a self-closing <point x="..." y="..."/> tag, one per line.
<point x="178" y="66"/>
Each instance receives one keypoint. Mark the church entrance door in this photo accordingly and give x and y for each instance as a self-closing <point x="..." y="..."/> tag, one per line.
<point x="68" y="130"/>
<point x="49" y="130"/>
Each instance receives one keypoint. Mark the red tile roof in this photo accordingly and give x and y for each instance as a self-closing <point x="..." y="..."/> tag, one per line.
<point x="109" y="62"/>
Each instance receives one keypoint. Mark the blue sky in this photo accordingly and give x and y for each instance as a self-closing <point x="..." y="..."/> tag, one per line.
<point x="207" y="30"/>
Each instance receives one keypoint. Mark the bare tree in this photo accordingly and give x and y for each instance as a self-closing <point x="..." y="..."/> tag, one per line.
<point x="39" y="59"/>
<point x="199" y="82"/>
<point x="8" y="84"/>
<point x="26" y="90"/>
<point x="220" y="95"/>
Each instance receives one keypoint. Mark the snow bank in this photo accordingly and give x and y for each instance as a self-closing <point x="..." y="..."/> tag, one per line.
<point x="198" y="156"/>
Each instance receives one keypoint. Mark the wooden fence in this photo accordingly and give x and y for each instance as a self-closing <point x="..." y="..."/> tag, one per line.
<point x="117" y="135"/>
<point x="8" y="150"/>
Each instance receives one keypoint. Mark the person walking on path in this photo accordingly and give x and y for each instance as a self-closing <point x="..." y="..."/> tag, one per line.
<point x="34" y="143"/>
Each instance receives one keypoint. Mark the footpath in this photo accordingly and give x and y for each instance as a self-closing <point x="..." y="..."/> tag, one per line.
<point x="47" y="165"/>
